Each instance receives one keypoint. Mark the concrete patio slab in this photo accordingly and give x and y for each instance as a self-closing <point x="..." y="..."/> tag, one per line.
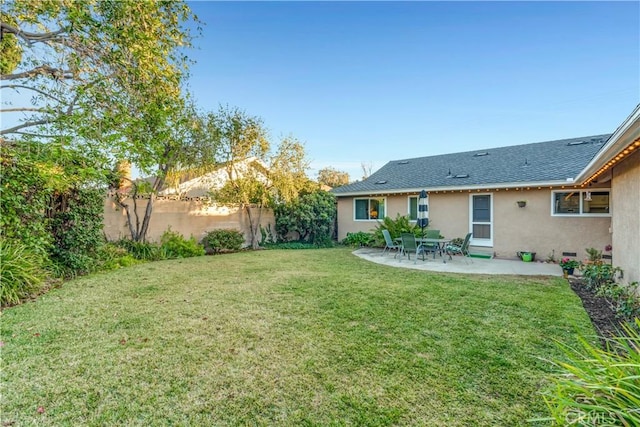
<point x="458" y="265"/>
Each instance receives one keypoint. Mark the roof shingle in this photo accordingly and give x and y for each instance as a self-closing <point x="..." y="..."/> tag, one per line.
<point x="546" y="162"/>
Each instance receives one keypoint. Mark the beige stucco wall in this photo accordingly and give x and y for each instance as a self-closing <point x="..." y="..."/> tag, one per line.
<point x="531" y="228"/>
<point x="626" y="217"/>
<point x="188" y="217"/>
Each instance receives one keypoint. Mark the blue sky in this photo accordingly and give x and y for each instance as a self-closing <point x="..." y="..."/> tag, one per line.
<point x="369" y="82"/>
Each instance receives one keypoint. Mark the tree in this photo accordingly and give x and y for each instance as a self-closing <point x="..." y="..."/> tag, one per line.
<point x="311" y="217"/>
<point x="367" y="169"/>
<point x="271" y="176"/>
<point x="104" y="76"/>
<point x="332" y="177"/>
<point x="79" y="62"/>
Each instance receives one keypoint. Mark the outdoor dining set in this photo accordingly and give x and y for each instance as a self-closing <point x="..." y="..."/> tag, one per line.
<point x="430" y="242"/>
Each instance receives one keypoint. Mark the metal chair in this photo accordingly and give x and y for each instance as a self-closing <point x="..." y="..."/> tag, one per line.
<point x="462" y="249"/>
<point x="432" y="247"/>
<point x="409" y="245"/>
<point x="389" y="244"/>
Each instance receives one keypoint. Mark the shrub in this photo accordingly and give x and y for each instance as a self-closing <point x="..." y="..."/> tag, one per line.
<point x="21" y="271"/>
<point x="174" y="245"/>
<point x="76" y="227"/>
<point x="396" y="227"/>
<point x="598" y="274"/>
<point x="599" y="386"/>
<point x="623" y="299"/>
<point x="360" y="238"/>
<point x="144" y="251"/>
<point x="291" y="245"/>
<point x="223" y="240"/>
<point x="112" y="257"/>
<point x="311" y="217"/>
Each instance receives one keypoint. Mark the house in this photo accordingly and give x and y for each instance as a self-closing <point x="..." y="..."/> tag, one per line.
<point x="565" y="188"/>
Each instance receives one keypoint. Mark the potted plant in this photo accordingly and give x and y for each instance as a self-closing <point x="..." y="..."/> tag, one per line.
<point x="568" y="265"/>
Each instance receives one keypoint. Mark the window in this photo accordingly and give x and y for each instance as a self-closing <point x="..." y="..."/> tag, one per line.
<point x="367" y="209"/>
<point x="413" y="208"/>
<point x="580" y="202"/>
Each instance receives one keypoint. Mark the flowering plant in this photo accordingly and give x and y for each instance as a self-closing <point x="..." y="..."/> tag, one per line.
<point x="608" y="248"/>
<point x="567" y="263"/>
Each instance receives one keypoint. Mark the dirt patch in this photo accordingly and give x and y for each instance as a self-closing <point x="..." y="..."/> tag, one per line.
<point x="599" y="310"/>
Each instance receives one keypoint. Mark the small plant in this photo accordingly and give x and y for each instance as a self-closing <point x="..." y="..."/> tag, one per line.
<point x="598" y="274"/>
<point x="623" y="299"/>
<point x="174" y="245"/>
<point x="594" y="255"/>
<point x="112" y="257"/>
<point x="223" y="240"/>
<point x="21" y="272"/>
<point x="143" y="251"/>
<point x="568" y="263"/>
<point x="552" y="256"/>
<point x="598" y="386"/>
<point x="361" y="238"/>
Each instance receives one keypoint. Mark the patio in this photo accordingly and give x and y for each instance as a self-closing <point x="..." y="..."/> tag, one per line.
<point x="457" y="265"/>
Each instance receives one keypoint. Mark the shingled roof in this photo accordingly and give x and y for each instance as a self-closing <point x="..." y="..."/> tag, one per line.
<point x="548" y="163"/>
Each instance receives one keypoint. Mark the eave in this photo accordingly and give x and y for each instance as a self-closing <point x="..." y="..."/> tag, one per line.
<point x="622" y="143"/>
<point x="513" y="186"/>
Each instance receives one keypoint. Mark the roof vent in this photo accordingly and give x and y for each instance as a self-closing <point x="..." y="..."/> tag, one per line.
<point x="449" y="174"/>
<point x="572" y="143"/>
<point x="481" y="154"/>
<point x="462" y="175"/>
<point x="381" y="182"/>
<point x="404" y="162"/>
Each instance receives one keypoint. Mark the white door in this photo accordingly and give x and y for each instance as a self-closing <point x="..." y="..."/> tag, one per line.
<point x="481" y="214"/>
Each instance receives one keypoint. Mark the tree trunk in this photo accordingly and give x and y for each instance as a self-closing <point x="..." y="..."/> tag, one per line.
<point x="253" y="227"/>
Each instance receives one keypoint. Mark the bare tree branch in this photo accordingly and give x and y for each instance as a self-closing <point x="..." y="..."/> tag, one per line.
<point x="56" y="73"/>
<point x="16" y="110"/>
<point x="42" y="92"/>
<point x="28" y="36"/>
<point x="25" y="125"/>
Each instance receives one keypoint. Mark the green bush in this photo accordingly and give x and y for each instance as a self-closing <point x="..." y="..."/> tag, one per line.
<point x="21" y="272"/>
<point x="291" y="245"/>
<point x="310" y="218"/>
<point x="76" y="227"/>
<point x="223" y="240"/>
<point x="174" y="245"/>
<point x="396" y="227"/>
<point x="599" y="386"/>
<point x="143" y="251"/>
<point x="598" y="274"/>
<point x="112" y="257"/>
<point x="361" y="238"/>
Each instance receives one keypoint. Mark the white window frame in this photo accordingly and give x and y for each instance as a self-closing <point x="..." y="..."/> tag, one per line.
<point x="384" y="201"/>
<point x="409" y="208"/>
<point x="477" y="241"/>
<point x="580" y="206"/>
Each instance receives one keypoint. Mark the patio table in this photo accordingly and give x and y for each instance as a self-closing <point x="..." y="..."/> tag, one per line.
<point x="440" y="243"/>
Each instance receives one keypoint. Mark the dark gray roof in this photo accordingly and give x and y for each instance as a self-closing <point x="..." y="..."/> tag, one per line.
<point x="541" y="162"/>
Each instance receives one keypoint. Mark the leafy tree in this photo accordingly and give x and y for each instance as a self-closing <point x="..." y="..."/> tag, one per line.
<point x="311" y="218"/>
<point x="264" y="180"/>
<point x="332" y="177"/>
<point x="80" y="62"/>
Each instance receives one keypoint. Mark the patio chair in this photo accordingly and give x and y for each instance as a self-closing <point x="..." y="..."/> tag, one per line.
<point x="389" y="244"/>
<point x="462" y="249"/>
<point x="432" y="247"/>
<point x="409" y="245"/>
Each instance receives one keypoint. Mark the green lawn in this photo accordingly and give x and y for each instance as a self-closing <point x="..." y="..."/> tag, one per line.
<point x="307" y="337"/>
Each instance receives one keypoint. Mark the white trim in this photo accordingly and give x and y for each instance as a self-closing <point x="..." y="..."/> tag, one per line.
<point x="482" y="187"/>
<point x="409" y="197"/>
<point x="481" y="242"/>
<point x="626" y="133"/>
<point x="580" y="214"/>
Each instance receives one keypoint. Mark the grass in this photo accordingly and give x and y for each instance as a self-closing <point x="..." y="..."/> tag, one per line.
<point x="287" y="338"/>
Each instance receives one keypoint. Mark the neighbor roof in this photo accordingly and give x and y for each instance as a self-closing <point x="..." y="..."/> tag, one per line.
<point x="551" y="162"/>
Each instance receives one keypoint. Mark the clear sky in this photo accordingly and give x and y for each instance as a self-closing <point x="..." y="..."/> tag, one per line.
<point x="369" y="82"/>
